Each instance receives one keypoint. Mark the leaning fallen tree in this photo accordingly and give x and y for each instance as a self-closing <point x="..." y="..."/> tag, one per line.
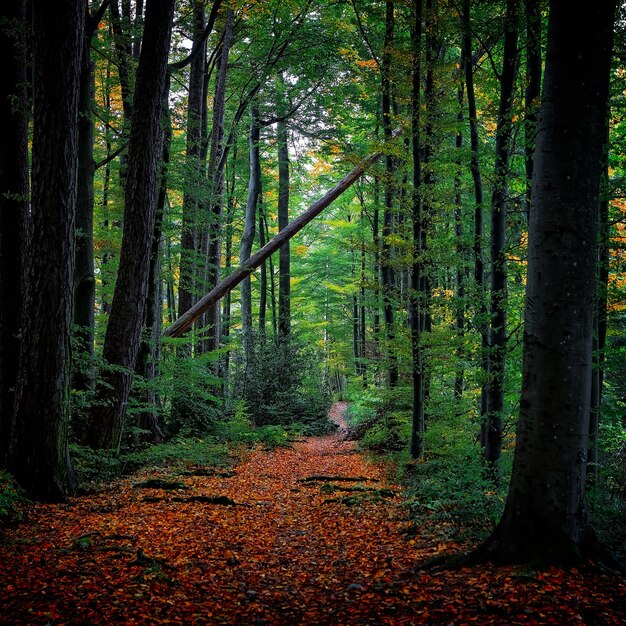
<point x="185" y="321"/>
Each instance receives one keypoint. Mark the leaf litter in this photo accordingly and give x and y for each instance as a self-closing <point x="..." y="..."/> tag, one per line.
<point x="287" y="555"/>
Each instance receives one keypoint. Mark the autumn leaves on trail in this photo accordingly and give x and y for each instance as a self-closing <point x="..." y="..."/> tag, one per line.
<point x="312" y="534"/>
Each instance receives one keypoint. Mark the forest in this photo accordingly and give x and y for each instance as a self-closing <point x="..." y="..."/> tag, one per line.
<point x="340" y="283"/>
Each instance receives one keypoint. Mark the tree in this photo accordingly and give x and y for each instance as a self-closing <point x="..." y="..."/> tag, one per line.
<point x="499" y="202"/>
<point x="13" y="203"/>
<point x="123" y="334"/>
<point x="38" y="454"/>
<point x="545" y="516"/>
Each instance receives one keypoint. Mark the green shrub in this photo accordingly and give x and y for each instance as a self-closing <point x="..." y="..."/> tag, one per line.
<point x="11" y="497"/>
<point x="281" y="386"/>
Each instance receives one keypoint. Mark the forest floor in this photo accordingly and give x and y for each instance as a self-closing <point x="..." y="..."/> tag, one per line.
<point x="277" y="541"/>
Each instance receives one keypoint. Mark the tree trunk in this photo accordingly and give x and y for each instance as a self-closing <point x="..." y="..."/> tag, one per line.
<point x="387" y="275"/>
<point x="460" y="253"/>
<point x="533" y="86"/>
<point x="13" y="203"/>
<point x="284" y="259"/>
<point x="38" y="456"/>
<point x="545" y="514"/>
<point x="499" y="200"/>
<point x="263" y="296"/>
<point x="84" y="277"/>
<point x="417" y="297"/>
<point x="123" y="334"/>
<point x="149" y="353"/>
<point x="185" y="321"/>
<point x="196" y="107"/>
<point x="479" y="270"/>
<point x="216" y="187"/>
<point x="247" y="237"/>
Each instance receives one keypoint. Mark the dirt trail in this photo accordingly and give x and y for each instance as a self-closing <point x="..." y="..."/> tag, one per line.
<point x="293" y="552"/>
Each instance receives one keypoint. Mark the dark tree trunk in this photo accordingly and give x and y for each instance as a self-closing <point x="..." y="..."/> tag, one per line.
<point x="499" y="201"/>
<point x="247" y="238"/>
<point x="13" y="203"/>
<point x="284" y="259"/>
<point x="216" y="187"/>
<point x="84" y="277"/>
<point x="479" y="269"/>
<point x="533" y="85"/>
<point x="196" y="112"/>
<point x="545" y="513"/>
<point x="263" y="296"/>
<point x="123" y="334"/>
<point x="38" y="456"/>
<point x="149" y="353"/>
<point x="417" y="297"/>
<point x="387" y="273"/>
<point x="460" y="252"/>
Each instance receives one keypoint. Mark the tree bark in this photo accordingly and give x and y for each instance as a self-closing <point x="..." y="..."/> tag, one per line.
<point x="13" y="203"/>
<point x="545" y="514"/>
<point x="196" y="110"/>
<point x="216" y="187"/>
<point x="477" y="246"/>
<point x="284" y="259"/>
<point x="84" y="275"/>
<point x="387" y="273"/>
<point x="499" y="201"/>
<point x="247" y="238"/>
<point x="38" y="457"/>
<point x="416" y="299"/>
<point x="123" y="334"/>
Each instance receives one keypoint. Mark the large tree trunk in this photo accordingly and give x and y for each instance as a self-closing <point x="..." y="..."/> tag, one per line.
<point x="247" y="237"/>
<point x="545" y="514"/>
<point x="533" y="85"/>
<point x="38" y="456"/>
<point x="13" y="203"/>
<point x="499" y="201"/>
<point x="123" y="334"/>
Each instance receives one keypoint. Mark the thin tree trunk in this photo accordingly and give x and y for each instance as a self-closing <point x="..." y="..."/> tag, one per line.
<point x="196" y="112"/>
<point x="388" y="279"/>
<point x="14" y="115"/>
<point x="417" y="296"/>
<point x="499" y="201"/>
<point x="461" y="253"/>
<point x="123" y="334"/>
<point x="247" y="237"/>
<point x="216" y="187"/>
<point x="38" y="457"/>
<point x="263" y="296"/>
<point x="284" y="259"/>
<point x="479" y="270"/>
<point x="84" y="275"/>
<point x="149" y="352"/>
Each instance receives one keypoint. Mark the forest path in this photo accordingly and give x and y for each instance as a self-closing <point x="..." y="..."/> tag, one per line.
<point x="293" y="551"/>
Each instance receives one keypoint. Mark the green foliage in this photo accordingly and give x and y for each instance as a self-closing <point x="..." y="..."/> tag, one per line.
<point x="10" y="497"/>
<point x="382" y="421"/>
<point x="96" y="466"/>
<point x="281" y="386"/>
<point x="451" y="482"/>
